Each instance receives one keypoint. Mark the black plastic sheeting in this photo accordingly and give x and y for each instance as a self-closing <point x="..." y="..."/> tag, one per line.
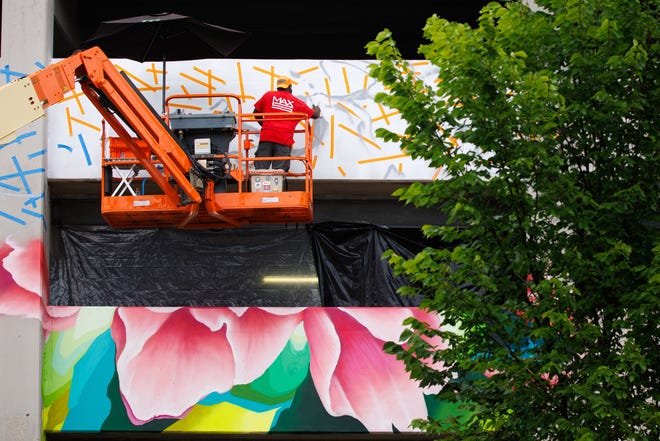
<point x="350" y="266"/>
<point x="101" y="266"/>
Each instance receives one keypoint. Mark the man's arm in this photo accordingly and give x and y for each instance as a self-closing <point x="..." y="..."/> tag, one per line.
<point x="317" y="111"/>
<point x="258" y="118"/>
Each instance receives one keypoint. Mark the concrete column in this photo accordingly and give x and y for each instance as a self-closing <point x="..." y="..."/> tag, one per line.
<point x="20" y="379"/>
<point x="26" y="42"/>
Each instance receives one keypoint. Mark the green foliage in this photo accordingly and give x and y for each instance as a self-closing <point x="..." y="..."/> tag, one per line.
<point x="548" y="287"/>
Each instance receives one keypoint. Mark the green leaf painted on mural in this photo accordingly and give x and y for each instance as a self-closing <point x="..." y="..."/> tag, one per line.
<point x="117" y="419"/>
<point x="54" y="382"/>
<point x="63" y="350"/>
<point x="443" y="410"/>
<point x="307" y="414"/>
<point x="53" y="415"/>
<point x="281" y="379"/>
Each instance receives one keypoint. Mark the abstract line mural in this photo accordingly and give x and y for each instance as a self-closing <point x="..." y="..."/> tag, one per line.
<point x="345" y="145"/>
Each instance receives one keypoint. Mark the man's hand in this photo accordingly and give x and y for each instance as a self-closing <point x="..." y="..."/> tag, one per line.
<point x="258" y="118"/>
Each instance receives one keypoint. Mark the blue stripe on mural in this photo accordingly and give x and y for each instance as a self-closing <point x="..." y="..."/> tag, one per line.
<point x="89" y="404"/>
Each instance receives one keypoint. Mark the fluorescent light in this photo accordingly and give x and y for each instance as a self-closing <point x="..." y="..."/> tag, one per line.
<point x="290" y="279"/>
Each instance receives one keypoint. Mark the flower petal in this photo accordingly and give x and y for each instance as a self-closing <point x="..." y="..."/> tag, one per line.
<point x="168" y="361"/>
<point x="355" y="377"/>
<point x="21" y="278"/>
<point x="60" y="318"/>
<point x="257" y="337"/>
<point x="27" y="264"/>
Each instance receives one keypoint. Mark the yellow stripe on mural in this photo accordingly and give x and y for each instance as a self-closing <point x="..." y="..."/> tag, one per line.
<point x="224" y="417"/>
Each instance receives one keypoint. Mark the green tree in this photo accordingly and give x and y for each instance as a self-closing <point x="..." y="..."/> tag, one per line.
<point x="543" y="121"/>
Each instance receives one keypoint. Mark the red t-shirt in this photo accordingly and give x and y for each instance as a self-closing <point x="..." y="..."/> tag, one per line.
<point x="280" y="132"/>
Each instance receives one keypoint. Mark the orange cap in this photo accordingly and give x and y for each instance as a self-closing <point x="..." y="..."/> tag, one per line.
<point x="284" y="83"/>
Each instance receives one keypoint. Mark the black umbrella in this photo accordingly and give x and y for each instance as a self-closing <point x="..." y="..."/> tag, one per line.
<point x="164" y="36"/>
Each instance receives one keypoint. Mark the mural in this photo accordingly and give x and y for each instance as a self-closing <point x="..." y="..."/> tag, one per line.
<point x="345" y="145"/>
<point x="211" y="369"/>
<point x="229" y="370"/>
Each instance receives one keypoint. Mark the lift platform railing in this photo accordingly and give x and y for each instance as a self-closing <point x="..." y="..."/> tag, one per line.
<point x="244" y="163"/>
<point x="251" y="204"/>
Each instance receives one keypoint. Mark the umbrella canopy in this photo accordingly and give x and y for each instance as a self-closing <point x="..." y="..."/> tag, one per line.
<point x="164" y="36"/>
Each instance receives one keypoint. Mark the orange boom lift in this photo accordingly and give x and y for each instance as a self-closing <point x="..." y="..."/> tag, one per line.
<point x="182" y="170"/>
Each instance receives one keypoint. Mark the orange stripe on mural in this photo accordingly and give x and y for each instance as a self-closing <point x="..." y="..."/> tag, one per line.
<point x="85" y="123"/>
<point x="71" y="119"/>
<point x="306" y="71"/>
<point x="327" y="89"/>
<point x="383" y="158"/>
<point x="384" y="115"/>
<point x="332" y="136"/>
<point x="241" y="85"/>
<point x="145" y="85"/>
<point x="348" y="109"/>
<point x="208" y="73"/>
<point x="347" y="84"/>
<point x="272" y="74"/>
<point x="76" y="96"/>
<point x="195" y="80"/>
<point x="155" y="72"/>
<point x="68" y="121"/>
<point x="185" y="106"/>
<point x="353" y="132"/>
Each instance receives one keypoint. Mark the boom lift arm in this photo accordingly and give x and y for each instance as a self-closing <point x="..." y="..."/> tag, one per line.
<point x="115" y="98"/>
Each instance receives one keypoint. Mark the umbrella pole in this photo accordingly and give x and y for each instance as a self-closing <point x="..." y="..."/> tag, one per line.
<point x="164" y="79"/>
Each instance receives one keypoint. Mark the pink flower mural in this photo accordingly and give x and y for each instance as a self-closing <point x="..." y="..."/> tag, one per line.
<point x="170" y="359"/>
<point x="353" y="375"/>
<point x="21" y="277"/>
<point x="23" y="282"/>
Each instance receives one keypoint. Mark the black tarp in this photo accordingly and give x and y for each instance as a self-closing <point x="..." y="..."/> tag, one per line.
<point x="101" y="266"/>
<point x="350" y="266"/>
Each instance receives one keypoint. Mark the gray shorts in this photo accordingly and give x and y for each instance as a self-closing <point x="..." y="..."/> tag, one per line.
<point x="268" y="148"/>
